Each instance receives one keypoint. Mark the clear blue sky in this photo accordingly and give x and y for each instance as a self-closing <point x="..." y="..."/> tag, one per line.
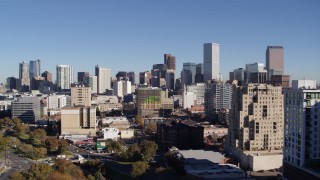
<point x="134" y="35"/>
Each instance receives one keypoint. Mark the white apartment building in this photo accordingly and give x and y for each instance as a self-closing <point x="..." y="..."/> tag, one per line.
<point x="64" y="76"/>
<point x="57" y="101"/>
<point x="302" y="126"/>
<point x="121" y="88"/>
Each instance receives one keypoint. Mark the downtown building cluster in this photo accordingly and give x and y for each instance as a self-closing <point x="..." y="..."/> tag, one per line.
<point x="267" y="121"/>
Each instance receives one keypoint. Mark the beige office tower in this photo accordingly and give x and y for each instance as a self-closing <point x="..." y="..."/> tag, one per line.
<point x="255" y="136"/>
<point x="80" y="95"/>
<point x="78" y="120"/>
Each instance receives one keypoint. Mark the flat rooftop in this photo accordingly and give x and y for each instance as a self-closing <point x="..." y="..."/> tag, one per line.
<point x="194" y="156"/>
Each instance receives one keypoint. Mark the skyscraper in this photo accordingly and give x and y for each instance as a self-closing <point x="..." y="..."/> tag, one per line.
<point x="199" y="73"/>
<point x="24" y="76"/>
<point x="47" y="76"/>
<point x="274" y="61"/>
<point x="170" y="61"/>
<point x="82" y="77"/>
<point x="256" y="126"/>
<point x="132" y="77"/>
<point x="104" y="79"/>
<point x="145" y="77"/>
<point x="93" y="83"/>
<point x="188" y="73"/>
<point x="64" y="77"/>
<point x="34" y="68"/>
<point x="211" y="61"/>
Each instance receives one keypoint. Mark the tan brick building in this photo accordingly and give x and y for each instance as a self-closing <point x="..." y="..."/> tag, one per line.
<point x="80" y="95"/>
<point x="78" y="120"/>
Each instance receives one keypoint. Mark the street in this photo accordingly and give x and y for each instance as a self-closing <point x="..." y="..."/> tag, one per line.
<point x="15" y="163"/>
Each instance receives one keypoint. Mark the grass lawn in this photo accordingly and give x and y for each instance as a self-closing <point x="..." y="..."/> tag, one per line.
<point x="24" y="137"/>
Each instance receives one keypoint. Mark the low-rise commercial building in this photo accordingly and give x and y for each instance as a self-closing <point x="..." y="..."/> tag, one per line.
<point x="181" y="134"/>
<point x="27" y="109"/>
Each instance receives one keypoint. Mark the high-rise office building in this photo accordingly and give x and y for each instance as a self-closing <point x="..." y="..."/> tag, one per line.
<point x="240" y="75"/>
<point x="121" y="75"/>
<point x="82" y="77"/>
<point x="274" y="61"/>
<point x="80" y="95"/>
<point x="211" y="61"/>
<point x="35" y="82"/>
<point x="170" y="78"/>
<point x="104" y="79"/>
<point x="256" y="73"/>
<point x="34" y="68"/>
<point x="199" y="73"/>
<point x="132" y="77"/>
<point x="12" y="83"/>
<point x="255" y="135"/>
<point x="145" y="77"/>
<point x="170" y="61"/>
<point x="93" y="84"/>
<point x="64" y="77"/>
<point x="188" y="73"/>
<point x="47" y="76"/>
<point x="301" y="130"/>
<point x="24" y="76"/>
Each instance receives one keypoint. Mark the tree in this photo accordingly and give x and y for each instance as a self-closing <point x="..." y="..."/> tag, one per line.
<point x="139" y="168"/>
<point x="52" y="144"/>
<point x="114" y="146"/>
<point x="134" y="152"/>
<point x="151" y="128"/>
<point x="98" y="176"/>
<point x="64" y="166"/>
<point x="38" y="134"/>
<point x="39" y="171"/>
<point x="26" y="149"/>
<point x="3" y="143"/>
<point x="148" y="149"/>
<point x="57" y="175"/>
<point x="20" y="129"/>
<point x="63" y="143"/>
<point x="41" y="152"/>
<point x="17" y="175"/>
<point x="139" y="120"/>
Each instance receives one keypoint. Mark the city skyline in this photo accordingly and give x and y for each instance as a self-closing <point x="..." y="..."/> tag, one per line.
<point x="129" y="36"/>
